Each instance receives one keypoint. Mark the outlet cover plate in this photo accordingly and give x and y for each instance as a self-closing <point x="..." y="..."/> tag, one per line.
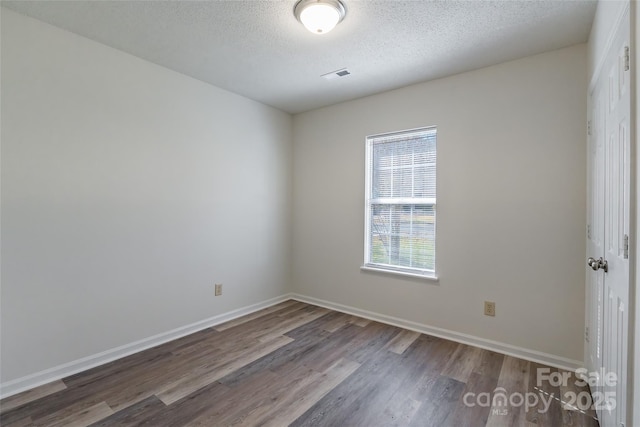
<point x="489" y="308"/>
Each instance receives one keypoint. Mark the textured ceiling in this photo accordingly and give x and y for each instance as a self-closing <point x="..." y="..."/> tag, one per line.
<point x="258" y="49"/>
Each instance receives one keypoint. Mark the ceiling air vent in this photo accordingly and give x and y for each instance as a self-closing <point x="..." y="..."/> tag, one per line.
<point x="335" y="74"/>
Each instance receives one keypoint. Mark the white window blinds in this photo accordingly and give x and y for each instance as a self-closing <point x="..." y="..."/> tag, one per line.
<point x="400" y="213"/>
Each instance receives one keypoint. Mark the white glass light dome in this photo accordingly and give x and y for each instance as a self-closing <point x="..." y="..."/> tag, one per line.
<point x="319" y="16"/>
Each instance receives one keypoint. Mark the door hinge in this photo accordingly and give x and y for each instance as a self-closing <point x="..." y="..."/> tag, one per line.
<point x="626" y="246"/>
<point x="589" y="127"/>
<point x="627" y="59"/>
<point x="586" y="334"/>
<point x="589" y="231"/>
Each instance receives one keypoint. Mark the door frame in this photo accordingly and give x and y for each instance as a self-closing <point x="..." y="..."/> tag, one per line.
<point x="633" y="407"/>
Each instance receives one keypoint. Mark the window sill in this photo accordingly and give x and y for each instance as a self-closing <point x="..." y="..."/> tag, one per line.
<point x="426" y="276"/>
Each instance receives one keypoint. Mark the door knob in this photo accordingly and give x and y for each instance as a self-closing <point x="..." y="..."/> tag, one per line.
<point x="597" y="264"/>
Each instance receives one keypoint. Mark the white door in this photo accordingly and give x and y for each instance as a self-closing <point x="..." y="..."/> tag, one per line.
<point x="609" y="197"/>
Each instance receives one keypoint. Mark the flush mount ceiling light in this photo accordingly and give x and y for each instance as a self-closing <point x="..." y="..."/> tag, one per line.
<point x="319" y="16"/>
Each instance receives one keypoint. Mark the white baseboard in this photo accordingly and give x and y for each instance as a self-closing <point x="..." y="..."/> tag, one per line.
<point x="508" y="349"/>
<point x="18" y="385"/>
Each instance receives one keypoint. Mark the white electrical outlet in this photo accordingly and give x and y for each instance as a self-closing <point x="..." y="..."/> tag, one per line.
<point x="489" y="308"/>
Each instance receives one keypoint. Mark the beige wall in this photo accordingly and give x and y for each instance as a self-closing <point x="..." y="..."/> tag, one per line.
<point x="128" y="190"/>
<point x="511" y="202"/>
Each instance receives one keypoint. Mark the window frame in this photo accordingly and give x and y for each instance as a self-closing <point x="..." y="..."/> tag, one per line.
<point x="369" y="201"/>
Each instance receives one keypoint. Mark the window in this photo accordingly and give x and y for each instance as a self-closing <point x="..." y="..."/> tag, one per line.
<point x="400" y="214"/>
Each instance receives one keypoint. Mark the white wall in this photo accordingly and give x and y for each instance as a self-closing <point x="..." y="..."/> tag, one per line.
<point x="511" y="202"/>
<point x="127" y="191"/>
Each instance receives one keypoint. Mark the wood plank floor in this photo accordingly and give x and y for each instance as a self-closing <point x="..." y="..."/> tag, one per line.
<point x="301" y="365"/>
